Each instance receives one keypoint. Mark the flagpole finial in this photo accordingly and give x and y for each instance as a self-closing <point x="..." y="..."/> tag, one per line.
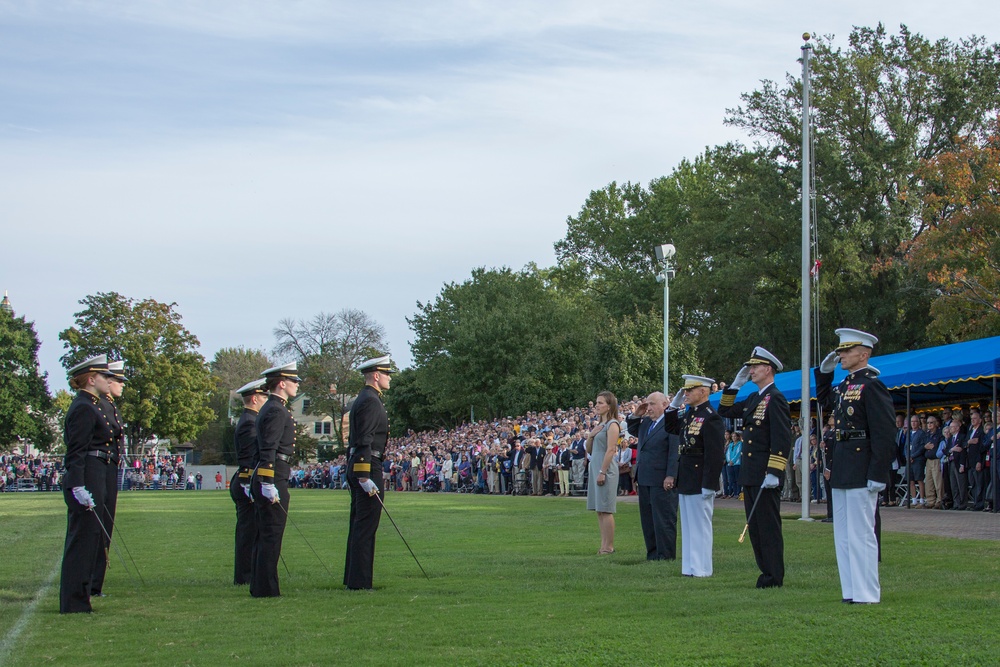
<point x="806" y="37"/>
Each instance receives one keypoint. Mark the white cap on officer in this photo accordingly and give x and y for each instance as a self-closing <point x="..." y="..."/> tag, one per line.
<point x="286" y="372"/>
<point x="376" y="365"/>
<point x="251" y="388"/>
<point x="762" y="356"/>
<point x="695" y="381"/>
<point x="852" y="337"/>
<point x="117" y="369"/>
<point x="98" y="364"/>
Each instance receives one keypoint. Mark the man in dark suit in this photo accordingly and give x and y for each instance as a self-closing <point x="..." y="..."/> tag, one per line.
<point x="915" y="459"/>
<point x="254" y="396"/>
<point x="656" y="473"/>
<point x="977" y="449"/>
<point x="767" y="442"/>
<point x="368" y="437"/>
<point x="957" y="458"/>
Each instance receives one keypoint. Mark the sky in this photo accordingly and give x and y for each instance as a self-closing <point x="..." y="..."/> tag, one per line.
<point x="253" y="160"/>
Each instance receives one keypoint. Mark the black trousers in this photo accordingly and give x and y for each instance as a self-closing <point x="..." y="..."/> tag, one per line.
<point x="271" y="519"/>
<point x="246" y="532"/>
<point x="658" y="516"/>
<point x="366" y="511"/>
<point x="107" y="514"/>
<point x="959" y="487"/>
<point x="765" y="534"/>
<point x="84" y="539"/>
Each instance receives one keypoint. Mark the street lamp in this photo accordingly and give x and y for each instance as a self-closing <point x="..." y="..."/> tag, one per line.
<point x="665" y="255"/>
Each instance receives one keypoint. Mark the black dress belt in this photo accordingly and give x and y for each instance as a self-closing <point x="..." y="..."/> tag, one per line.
<point x="100" y="453"/>
<point x="283" y="457"/>
<point x="852" y="435"/>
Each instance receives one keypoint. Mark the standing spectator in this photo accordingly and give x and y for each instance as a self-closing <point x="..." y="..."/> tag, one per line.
<point x="933" y="451"/>
<point x="197" y="480"/>
<point x="565" y="465"/>
<point x="447" y="469"/>
<point x="976" y="460"/>
<point x="734" y="452"/>
<point x="579" y="447"/>
<point x="956" y="457"/>
<point x="549" y="469"/>
<point x="624" y="461"/>
<point x="915" y="461"/>
<point x="603" y="485"/>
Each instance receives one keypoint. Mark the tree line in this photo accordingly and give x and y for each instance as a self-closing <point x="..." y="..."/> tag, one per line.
<point x="907" y="175"/>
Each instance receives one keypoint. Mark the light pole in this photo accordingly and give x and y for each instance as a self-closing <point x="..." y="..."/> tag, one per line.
<point x="665" y="255"/>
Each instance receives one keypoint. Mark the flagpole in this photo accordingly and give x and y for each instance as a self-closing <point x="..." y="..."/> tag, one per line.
<point x="806" y="310"/>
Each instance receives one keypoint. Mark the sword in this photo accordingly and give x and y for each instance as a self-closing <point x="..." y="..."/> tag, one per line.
<point x="750" y="516"/>
<point x="400" y="533"/>
<point x="117" y="551"/>
<point x="296" y="526"/>
<point x="122" y="540"/>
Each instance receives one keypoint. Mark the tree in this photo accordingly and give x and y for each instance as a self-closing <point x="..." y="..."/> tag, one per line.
<point x="327" y="349"/>
<point x="169" y="383"/>
<point x="502" y="342"/>
<point x="880" y="107"/>
<point x="959" y="246"/>
<point x="24" y="394"/>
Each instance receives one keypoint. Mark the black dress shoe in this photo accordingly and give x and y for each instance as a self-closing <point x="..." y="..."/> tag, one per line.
<point x="847" y="600"/>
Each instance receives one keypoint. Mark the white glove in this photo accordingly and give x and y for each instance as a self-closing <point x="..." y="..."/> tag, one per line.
<point x="829" y="362"/>
<point x="369" y="487"/>
<point x="741" y="378"/>
<point x="678" y="400"/>
<point x="83" y="496"/>
<point x="246" y="490"/>
<point x="876" y="487"/>
<point x="707" y="493"/>
<point x="270" y="492"/>
<point x="770" y="481"/>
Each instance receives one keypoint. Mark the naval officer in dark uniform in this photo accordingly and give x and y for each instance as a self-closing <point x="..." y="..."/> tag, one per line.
<point x="864" y="447"/>
<point x="767" y="442"/>
<point x="369" y="433"/>
<point x="107" y="510"/>
<point x="254" y="396"/>
<point x="702" y="455"/>
<point x="275" y="448"/>
<point x="89" y="441"/>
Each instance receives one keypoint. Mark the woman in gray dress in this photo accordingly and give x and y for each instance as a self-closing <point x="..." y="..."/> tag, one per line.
<point x="602" y="488"/>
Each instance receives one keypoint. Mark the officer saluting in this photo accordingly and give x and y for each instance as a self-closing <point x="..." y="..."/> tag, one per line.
<point x="254" y="396"/>
<point x="767" y="440"/>
<point x="275" y="447"/>
<point x="107" y="510"/>
<point x="863" y="450"/>
<point x="702" y="455"/>
<point x="89" y="442"/>
<point x="369" y="433"/>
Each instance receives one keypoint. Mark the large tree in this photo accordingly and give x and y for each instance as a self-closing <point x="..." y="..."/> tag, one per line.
<point x="169" y="383"/>
<point x="327" y="349"/>
<point x="24" y="394"/>
<point x="959" y="247"/>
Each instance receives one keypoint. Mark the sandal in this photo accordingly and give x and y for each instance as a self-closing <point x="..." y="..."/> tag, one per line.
<point x="602" y="552"/>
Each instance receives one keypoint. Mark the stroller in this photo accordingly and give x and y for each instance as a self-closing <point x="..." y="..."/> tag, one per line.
<point x="432" y="484"/>
<point x="466" y="482"/>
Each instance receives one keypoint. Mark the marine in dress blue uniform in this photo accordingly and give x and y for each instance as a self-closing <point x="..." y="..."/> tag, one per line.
<point x="254" y="396"/>
<point x="269" y="486"/>
<point x="767" y="441"/>
<point x="107" y="510"/>
<point x="369" y="433"/>
<point x="863" y="451"/>
<point x="89" y="443"/>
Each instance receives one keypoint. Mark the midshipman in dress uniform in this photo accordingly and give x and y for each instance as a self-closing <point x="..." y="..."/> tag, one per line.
<point x="254" y="396"/>
<point x="367" y="440"/>
<point x="864" y="447"/>
<point x="767" y="441"/>
<point x="89" y="443"/>
<point x="107" y="510"/>
<point x="275" y="448"/>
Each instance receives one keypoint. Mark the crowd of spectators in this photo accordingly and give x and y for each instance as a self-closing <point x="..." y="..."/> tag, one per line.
<point x="35" y="473"/>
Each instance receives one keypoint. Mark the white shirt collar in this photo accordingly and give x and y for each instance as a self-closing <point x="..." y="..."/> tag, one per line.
<point x="763" y="389"/>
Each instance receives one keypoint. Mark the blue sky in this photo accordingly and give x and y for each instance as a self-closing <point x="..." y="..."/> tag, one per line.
<point x="254" y="161"/>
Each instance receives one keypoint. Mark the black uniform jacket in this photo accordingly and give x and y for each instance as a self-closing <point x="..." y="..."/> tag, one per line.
<point x="110" y="411"/>
<point x="369" y="432"/>
<point x="702" y="450"/>
<point x="767" y="433"/>
<point x="245" y="440"/>
<point x="865" y="424"/>
<point x="275" y="435"/>
<point x="87" y="429"/>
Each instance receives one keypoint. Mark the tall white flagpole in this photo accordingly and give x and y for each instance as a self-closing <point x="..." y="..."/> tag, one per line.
<point x="806" y="309"/>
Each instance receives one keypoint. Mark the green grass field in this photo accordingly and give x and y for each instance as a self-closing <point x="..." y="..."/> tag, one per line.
<point x="512" y="581"/>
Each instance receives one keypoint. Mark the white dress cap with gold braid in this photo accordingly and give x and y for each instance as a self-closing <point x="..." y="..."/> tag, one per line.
<point x="762" y="356"/>
<point x="851" y="337"/>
